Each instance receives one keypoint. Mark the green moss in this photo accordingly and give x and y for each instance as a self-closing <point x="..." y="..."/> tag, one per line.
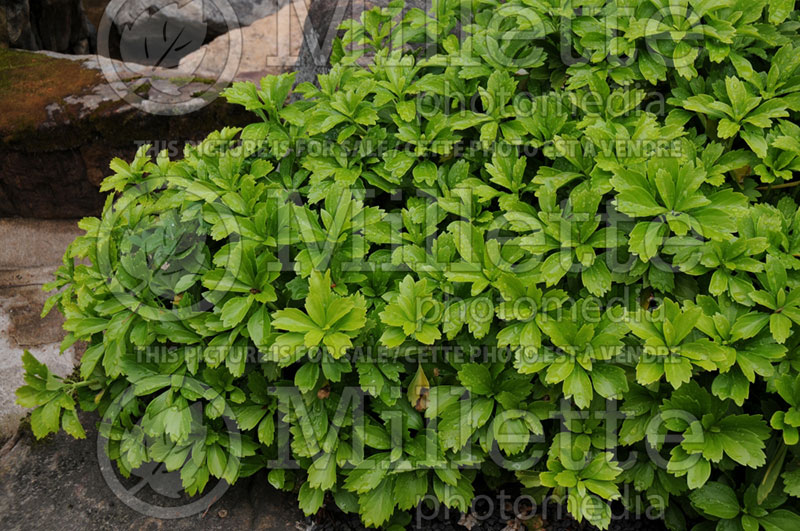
<point x="185" y="80"/>
<point x="29" y="82"/>
<point x="143" y="89"/>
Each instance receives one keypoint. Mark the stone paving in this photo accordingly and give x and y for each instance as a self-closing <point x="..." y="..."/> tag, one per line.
<point x="30" y="252"/>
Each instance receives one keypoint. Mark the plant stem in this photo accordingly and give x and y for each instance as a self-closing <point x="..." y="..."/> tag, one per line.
<point x="777" y="186"/>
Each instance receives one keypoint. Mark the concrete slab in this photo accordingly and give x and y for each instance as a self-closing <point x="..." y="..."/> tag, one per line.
<point x="21" y="328"/>
<point x="31" y="276"/>
<point x="26" y="243"/>
<point x="30" y="252"/>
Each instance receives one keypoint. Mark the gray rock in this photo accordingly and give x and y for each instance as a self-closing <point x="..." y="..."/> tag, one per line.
<point x="269" y="46"/>
<point x="56" y="25"/>
<point x="62" y="121"/>
<point x="212" y="17"/>
<point x="324" y="16"/>
<point x="15" y="26"/>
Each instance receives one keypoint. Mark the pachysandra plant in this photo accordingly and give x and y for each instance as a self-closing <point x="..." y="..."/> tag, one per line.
<point x="528" y="242"/>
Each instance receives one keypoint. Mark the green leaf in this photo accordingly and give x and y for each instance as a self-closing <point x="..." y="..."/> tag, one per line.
<point x="217" y="460"/>
<point x="266" y="430"/>
<point x="90" y="359"/>
<point x="277" y="477"/>
<point x="597" y="278"/>
<point x="310" y="499"/>
<point x="771" y="474"/>
<point x="71" y="424"/>
<point x="780" y="520"/>
<point x="425" y="172"/>
<point x="368" y="476"/>
<point x="579" y="386"/>
<point x="476" y="378"/>
<point x="779" y="10"/>
<point x="322" y="472"/>
<point x="716" y="499"/>
<point x="409" y="488"/>
<point x="235" y="310"/>
<point x="677" y="370"/>
<point x="698" y="474"/>
<point x="609" y="381"/>
<point x="646" y="238"/>
<point x="556" y="266"/>
<point x="780" y="327"/>
<point x="791" y="482"/>
<point x="775" y="274"/>
<point x="727" y="128"/>
<point x="45" y="419"/>
<point x="748" y="325"/>
<point x="249" y="416"/>
<point x="377" y="505"/>
<point x="258" y="326"/>
<point x="306" y="377"/>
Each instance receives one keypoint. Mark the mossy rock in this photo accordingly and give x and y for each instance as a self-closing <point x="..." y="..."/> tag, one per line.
<point x="61" y="123"/>
<point x="30" y="82"/>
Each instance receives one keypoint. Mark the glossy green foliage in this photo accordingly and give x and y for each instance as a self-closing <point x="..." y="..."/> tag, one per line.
<point x="555" y="243"/>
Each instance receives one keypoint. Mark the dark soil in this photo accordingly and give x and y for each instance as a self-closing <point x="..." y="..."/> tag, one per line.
<point x="57" y="483"/>
<point x="487" y="517"/>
